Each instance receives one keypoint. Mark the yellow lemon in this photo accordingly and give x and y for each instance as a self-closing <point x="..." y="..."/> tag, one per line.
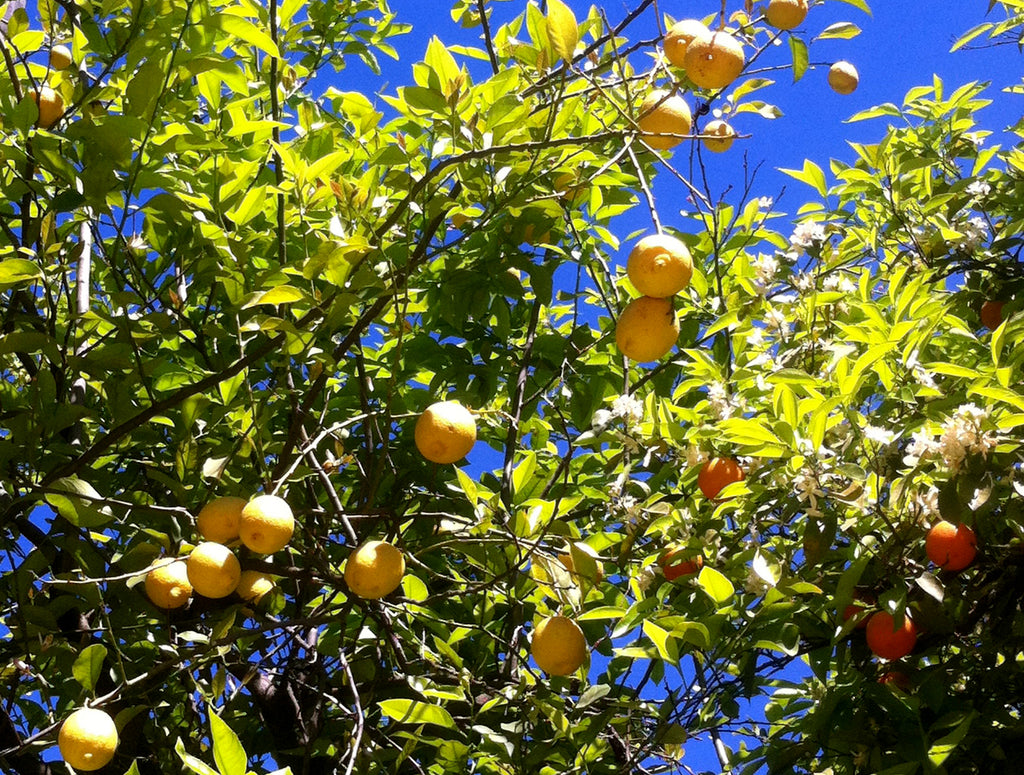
<point x="679" y="37"/>
<point x="253" y="585"/>
<point x="664" y="114"/>
<point x="167" y="585"/>
<point x="558" y="646"/>
<point x="718" y="136"/>
<point x="266" y="524"/>
<point x="50" y="104"/>
<point x="714" y="62"/>
<point x="60" y="57"/>
<point x="786" y="14"/>
<point x="843" y="78"/>
<point x="659" y="265"/>
<point x="87" y="739"/>
<point x="374" y="570"/>
<point x="445" y="432"/>
<point x="647" y="329"/>
<point x="213" y="570"/>
<point x="218" y="519"/>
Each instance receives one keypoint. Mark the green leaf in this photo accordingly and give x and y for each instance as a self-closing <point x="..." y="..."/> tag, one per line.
<point x="227" y="749"/>
<point x="563" y="31"/>
<point x="748" y="432"/>
<point x="244" y="30"/>
<point x="716" y="585"/>
<point x="811" y="174"/>
<point x="18" y="270"/>
<point x="282" y="294"/>
<point x="88" y="665"/>
<point x="198" y="766"/>
<point x="839" y="31"/>
<point x="413" y="712"/>
<point x="84" y="511"/>
<point x="798" y="52"/>
<point x="861" y="4"/>
<point x="944" y="746"/>
<point x="663" y="641"/>
<point x="592" y="695"/>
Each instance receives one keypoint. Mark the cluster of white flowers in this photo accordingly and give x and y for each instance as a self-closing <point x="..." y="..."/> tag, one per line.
<point x="646" y="577"/>
<point x="925" y="505"/>
<point x="962" y="435"/>
<point x="879" y="436"/>
<point x="806" y="235"/>
<point x="775" y="318"/>
<point x="629" y="408"/>
<point x="766" y="266"/>
<point x="840" y="282"/>
<point x="765" y="203"/>
<point x="804" y="282"/>
<point x="719" y="402"/>
<point x="974" y="233"/>
<point x="979" y="189"/>
<point x="694" y="455"/>
<point x="808" y="490"/>
<point x="921" y="374"/>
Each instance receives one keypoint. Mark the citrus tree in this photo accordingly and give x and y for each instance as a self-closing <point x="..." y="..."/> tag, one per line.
<point x="334" y="436"/>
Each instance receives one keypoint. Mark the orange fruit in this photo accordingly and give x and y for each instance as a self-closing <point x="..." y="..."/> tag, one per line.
<point x="213" y="570"/>
<point x="861" y="604"/>
<point x="843" y="78"/>
<point x="647" y="329"/>
<point x="664" y="114"/>
<point x="714" y="62"/>
<point x="558" y="646"/>
<point x="60" y="57"/>
<point x="88" y="739"/>
<point x="887" y="640"/>
<point x="659" y="266"/>
<point x="716" y="474"/>
<point x="50" y="104"/>
<point x="992" y="314"/>
<point x="951" y="547"/>
<point x="266" y="524"/>
<point x="895" y="678"/>
<point x="679" y="37"/>
<point x="445" y="432"/>
<point x="673" y="566"/>
<point x="218" y="520"/>
<point x="718" y="136"/>
<point x="786" y="14"/>
<point x="167" y="585"/>
<point x="374" y="570"/>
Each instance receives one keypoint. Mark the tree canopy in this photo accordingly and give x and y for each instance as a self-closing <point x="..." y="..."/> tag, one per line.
<point x="226" y="272"/>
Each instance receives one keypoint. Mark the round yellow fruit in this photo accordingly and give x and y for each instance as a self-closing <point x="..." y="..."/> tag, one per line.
<point x="167" y="585"/>
<point x="843" y="78"/>
<point x="664" y="114"/>
<point x="87" y="739"/>
<point x="50" y="104"/>
<point x="714" y="62"/>
<point x="218" y="520"/>
<point x="679" y="37"/>
<point x="786" y="14"/>
<point x="213" y="570"/>
<point x="647" y="329"/>
<point x="253" y="585"/>
<point x="659" y="266"/>
<point x="60" y="57"/>
<point x="374" y="570"/>
<point x="718" y="136"/>
<point x="266" y="524"/>
<point x="445" y="432"/>
<point x="559" y="646"/>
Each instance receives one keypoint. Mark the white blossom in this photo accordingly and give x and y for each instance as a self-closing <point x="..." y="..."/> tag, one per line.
<point x="922" y="445"/>
<point x="776" y="318"/>
<point x="839" y="282"/>
<point x="765" y="268"/>
<point x="974" y="233"/>
<point x="979" y="189"/>
<point x="926" y="504"/>
<point x="645" y="578"/>
<point x="807" y="488"/>
<point x="804" y="282"/>
<point x="878" y="435"/>
<point x="962" y="435"/>
<point x="719" y="402"/>
<point x="765" y="203"/>
<point x="806" y="235"/>
<point x="628" y="407"/>
<point x="694" y="456"/>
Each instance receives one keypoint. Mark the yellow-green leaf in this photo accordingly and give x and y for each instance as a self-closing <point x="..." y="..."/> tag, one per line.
<point x="563" y="32"/>
<point x="412" y="712"/>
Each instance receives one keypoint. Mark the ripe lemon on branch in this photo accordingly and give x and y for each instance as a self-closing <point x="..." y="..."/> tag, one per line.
<point x="445" y="432"/>
<point x="266" y="524"/>
<point x="559" y="646"/>
<point x="88" y="739"/>
<point x="715" y="61"/>
<point x="659" y="265"/>
<point x="218" y="520"/>
<point x="167" y="585"/>
<point x="664" y="114"/>
<point x="213" y="570"/>
<point x="647" y="329"/>
<point x="374" y="570"/>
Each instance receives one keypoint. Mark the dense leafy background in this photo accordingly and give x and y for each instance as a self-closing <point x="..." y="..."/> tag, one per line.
<point x="220" y="276"/>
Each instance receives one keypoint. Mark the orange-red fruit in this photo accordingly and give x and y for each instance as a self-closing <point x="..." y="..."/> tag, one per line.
<point x="716" y="474"/>
<point x="951" y="547"/>
<point x="992" y="314"/>
<point x="855" y="609"/>
<point x="673" y="570"/>
<point x="887" y="640"/>
<point x="895" y="678"/>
